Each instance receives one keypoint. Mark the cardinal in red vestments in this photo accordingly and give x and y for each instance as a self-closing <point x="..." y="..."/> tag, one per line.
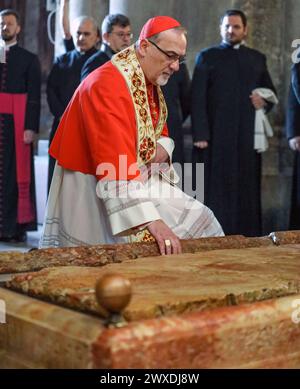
<point x="112" y="133"/>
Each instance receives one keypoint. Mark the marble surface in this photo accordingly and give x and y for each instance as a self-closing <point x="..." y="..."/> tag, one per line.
<point x="43" y="335"/>
<point x="170" y="285"/>
<point x="222" y="307"/>
<point x="101" y="255"/>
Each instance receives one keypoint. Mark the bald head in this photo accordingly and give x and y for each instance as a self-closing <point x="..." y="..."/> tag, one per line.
<point x="85" y="33"/>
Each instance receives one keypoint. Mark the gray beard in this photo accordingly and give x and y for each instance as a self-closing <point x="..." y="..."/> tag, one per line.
<point x="161" y="81"/>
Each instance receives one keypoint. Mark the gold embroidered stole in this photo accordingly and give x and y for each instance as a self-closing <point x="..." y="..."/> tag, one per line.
<point x="128" y="65"/>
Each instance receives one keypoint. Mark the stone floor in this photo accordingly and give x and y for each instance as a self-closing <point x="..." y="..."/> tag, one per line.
<point x="33" y="238"/>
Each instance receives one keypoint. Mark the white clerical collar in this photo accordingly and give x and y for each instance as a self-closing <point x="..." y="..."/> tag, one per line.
<point x="237" y="45"/>
<point x="7" y="47"/>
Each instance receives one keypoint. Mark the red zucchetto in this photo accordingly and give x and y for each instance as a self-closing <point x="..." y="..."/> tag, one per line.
<point x="158" y="24"/>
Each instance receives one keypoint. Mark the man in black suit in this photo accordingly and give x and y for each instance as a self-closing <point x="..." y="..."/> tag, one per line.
<point x="65" y="74"/>
<point x="177" y="96"/>
<point x="116" y="36"/>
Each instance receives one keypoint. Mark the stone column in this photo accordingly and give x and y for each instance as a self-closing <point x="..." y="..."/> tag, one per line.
<point x="35" y="39"/>
<point x="95" y="8"/>
<point x="31" y="26"/>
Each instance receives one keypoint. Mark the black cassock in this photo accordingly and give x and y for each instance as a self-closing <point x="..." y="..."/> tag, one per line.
<point x="293" y="130"/>
<point x="20" y="74"/>
<point x="97" y="60"/>
<point x="62" y="82"/>
<point x="177" y="96"/>
<point x="223" y="115"/>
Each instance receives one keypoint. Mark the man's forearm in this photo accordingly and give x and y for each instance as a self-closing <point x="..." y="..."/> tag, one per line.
<point x="64" y="18"/>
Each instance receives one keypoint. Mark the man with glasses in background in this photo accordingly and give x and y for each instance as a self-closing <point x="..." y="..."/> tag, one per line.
<point x="116" y="36"/>
<point x="105" y="188"/>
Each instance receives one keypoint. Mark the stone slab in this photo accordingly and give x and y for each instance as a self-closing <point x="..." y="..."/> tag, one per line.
<point x="42" y="335"/>
<point x="217" y="308"/>
<point x="13" y="262"/>
<point x="179" y="284"/>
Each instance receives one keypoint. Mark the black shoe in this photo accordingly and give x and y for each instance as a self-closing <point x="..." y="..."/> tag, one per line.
<point x="18" y="238"/>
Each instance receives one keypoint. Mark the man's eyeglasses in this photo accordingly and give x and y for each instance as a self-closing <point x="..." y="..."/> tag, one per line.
<point x="172" y="57"/>
<point x="123" y="35"/>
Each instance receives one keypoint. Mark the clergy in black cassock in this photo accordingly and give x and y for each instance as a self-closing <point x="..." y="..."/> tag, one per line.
<point x="94" y="61"/>
<point x="20" y="77"/>
<point x="97" y="60"/>
<point x="223" y="118"/>
<point x="177" y="96"/>
<point x="293" y="135"/>
<point x="116" y="36"/>
<point x="65" y="74"/>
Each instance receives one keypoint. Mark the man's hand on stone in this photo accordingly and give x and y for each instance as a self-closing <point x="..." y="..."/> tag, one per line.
<point x="167" y="241"/>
